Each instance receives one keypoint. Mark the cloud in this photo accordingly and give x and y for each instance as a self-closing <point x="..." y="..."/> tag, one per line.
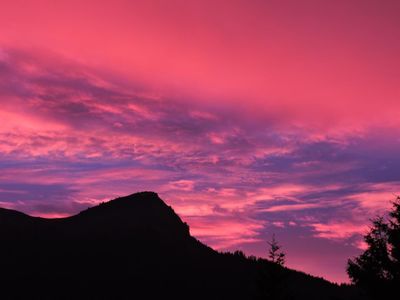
<point x="184" y="185"/>
<point x="74" y="136"/>
<point x="338" y="231"/>
<point x="290" y="207"/>
<point x="307" y="64"/>
<point x="225" y="232"/>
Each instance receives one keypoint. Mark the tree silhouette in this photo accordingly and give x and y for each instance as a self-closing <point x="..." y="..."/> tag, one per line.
<point x="274" y="281"/>
<point x="275" y="253"/>
<point x="377" y="270"/>
<point x="394" y="239"/>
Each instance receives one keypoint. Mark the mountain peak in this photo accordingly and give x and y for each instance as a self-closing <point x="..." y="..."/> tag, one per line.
<point x="127" y="247"/>
<point x="143" y="209"/>
<point x="146" y="196"/>
<point x="140" y="201"/>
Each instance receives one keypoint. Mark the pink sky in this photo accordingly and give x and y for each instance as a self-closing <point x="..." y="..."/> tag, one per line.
<point x="249" y="117"/>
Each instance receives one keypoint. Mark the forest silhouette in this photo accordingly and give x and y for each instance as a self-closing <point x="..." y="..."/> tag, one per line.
<point x="136" y="247"/>
<point x="377" y="270"/>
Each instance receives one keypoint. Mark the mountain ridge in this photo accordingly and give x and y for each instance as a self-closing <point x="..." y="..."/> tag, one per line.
<point x="129" y="247"/>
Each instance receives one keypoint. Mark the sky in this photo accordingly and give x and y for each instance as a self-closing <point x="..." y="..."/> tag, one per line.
<point x="248" y="117"/>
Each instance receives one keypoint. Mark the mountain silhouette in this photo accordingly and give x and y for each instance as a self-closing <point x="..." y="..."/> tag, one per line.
<point x="135" y="247"/>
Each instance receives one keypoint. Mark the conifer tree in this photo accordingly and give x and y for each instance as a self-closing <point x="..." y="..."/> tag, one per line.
<point x="377" y="270"/>
<point x="275" y="253"/>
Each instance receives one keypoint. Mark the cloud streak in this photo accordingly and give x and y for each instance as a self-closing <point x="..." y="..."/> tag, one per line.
<point x="72" y="137"/>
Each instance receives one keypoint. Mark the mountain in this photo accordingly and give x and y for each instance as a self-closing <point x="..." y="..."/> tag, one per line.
<point x="136" y="247"/>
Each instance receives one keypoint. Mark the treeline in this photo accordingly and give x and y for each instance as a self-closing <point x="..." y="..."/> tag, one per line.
<point x="377" y="270"/>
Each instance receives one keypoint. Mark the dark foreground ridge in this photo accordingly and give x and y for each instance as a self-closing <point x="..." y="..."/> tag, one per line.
<point x="135" y="247"/>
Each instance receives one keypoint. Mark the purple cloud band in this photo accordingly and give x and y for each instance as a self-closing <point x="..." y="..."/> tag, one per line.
<point x="71" y="137"/>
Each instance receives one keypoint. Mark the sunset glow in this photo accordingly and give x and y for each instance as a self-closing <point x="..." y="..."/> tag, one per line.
<point x="248" y="117"/>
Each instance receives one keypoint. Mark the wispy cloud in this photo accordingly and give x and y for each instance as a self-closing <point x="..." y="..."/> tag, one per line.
<point x="71" y="137"/>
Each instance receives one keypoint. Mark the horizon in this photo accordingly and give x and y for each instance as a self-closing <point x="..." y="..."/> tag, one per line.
<point x="145" y="196"/>
<point x="249" y="119"/>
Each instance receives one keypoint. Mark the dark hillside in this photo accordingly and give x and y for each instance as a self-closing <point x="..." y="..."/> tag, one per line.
<point x="134" y="247"/>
